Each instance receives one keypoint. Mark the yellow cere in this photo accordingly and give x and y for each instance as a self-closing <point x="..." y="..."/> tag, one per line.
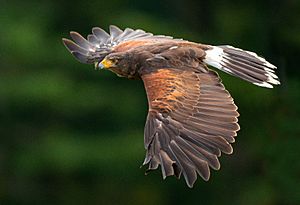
<point x="106" y="63"/>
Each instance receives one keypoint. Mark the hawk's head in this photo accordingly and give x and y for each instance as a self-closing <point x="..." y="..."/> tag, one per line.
<point x="120" y="63"/>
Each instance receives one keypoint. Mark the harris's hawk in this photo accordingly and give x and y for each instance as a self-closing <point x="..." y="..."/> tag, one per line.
<point x="192" y="118"/>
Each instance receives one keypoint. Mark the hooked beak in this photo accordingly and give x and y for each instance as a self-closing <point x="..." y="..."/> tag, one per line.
<point x="105" y="63"/>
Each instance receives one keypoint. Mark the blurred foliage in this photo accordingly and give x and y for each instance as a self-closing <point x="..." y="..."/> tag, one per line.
<point x="72" y="135"/>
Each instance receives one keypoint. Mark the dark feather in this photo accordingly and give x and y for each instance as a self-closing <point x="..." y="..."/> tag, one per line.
<point x="101" y="35"/>
<point x="114" y="32"/>
<point x="93" y="39"/>
<point x="72" y="47"/>
<point x="82" y="42"/>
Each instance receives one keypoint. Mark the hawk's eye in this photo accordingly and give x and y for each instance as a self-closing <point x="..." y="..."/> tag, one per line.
<point x="114" y="60"/>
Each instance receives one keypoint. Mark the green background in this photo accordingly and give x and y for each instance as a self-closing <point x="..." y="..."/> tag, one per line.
<point x="73" y="135"/>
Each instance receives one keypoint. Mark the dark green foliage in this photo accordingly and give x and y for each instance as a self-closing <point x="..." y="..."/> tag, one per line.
<point x="73" y="135"/>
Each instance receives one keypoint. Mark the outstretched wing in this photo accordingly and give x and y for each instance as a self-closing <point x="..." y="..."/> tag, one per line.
<point x="191" y="120"/>
<point x="100" y="43"/>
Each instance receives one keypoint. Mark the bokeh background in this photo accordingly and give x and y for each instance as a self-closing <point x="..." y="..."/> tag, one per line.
<point x="73" y="135"/>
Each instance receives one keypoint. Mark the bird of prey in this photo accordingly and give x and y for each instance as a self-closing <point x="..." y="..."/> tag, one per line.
<point x="192" y="118"/>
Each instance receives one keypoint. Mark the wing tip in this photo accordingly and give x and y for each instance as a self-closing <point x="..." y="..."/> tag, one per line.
<point x="66" y="41"/>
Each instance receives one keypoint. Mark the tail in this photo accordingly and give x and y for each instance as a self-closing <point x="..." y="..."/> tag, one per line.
<point x="243" y="64"/>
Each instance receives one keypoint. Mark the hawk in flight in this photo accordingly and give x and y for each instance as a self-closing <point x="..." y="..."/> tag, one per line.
<point x="192" y="118"/>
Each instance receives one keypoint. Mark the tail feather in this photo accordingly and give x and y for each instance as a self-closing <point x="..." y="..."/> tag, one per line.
<point x="243" y="64"/>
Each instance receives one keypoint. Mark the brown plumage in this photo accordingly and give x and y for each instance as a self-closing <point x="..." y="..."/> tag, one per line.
<point x="192" y="118"/>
